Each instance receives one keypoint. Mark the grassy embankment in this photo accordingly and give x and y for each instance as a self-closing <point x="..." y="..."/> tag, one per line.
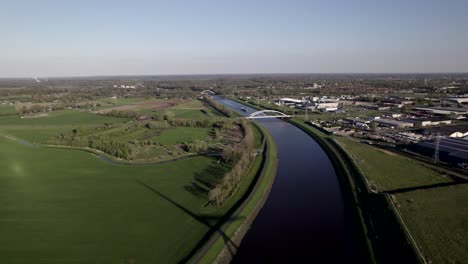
<point x="251" y="199"/>
<point x="433" y="207"/>
<point x="429" y="206"/>
<point x="380" y="225"/>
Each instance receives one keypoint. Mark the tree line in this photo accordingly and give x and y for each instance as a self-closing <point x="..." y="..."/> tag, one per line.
<point x="240" y="156"/>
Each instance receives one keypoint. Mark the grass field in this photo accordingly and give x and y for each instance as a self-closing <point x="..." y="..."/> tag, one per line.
<point x="181" y="135"/>
<point x="7" y="110"/>
<point x="437" y="220"/>
<point x="107" y="103"/>
<point x="72" y="206"/>
<point x="193" y="109"/>
<point x="35" y="134"/>
<point x="387" y="171"/>
<point x="65" y="117"/>
<point x="76" y="208"/>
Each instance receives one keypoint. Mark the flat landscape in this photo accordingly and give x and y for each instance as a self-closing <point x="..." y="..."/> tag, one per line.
<point x="60" y="204"/>
<point x="78" y="208"/>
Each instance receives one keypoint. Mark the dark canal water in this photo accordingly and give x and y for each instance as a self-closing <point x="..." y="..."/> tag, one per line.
<point x="305" y="218"/>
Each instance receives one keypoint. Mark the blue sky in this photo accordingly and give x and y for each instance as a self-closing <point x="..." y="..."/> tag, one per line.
<point x="70" y="38"/>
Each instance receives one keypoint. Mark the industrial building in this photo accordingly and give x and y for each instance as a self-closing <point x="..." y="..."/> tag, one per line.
<point x="428" y="122"/>
<point x="443" y="110"/>
<point x="454" y="131"/>
<point x="393" y="123"/>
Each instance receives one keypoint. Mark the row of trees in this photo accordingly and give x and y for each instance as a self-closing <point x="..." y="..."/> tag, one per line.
<point x="240" y="156"/>
<point x="117" y="149"/>
<point x="81" y="138"/>
<point x="198" y="146"/>
<point x="124" y="114"/>
<point x="36" y="108"/>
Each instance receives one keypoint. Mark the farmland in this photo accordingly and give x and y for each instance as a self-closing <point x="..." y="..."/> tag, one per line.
<point x="437" y="220"/>
<point x="141" y="196"/>
<point x="65" y="117"/>
<point x="147" y="141"/>
<point x="6" y="110"/>
<point x="76" y="207"/>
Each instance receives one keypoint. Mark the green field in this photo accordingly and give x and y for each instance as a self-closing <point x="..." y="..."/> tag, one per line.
<point x="7" y="110"/>
<point x="34" y="134"/>
<point x="388" y="171"/>
<point x="66" y="206"/>
<point x="437" y="219"/>
<point x="181" y="135"/>
<point x="63" y="205"/>
<point x="193" y="109"/>
<point x="65" y="117"/>
<point x="109" y="102"/>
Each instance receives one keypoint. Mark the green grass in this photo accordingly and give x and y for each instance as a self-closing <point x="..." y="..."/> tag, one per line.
<point x="389" y="171"/>
<point x="107" y="103"/>
<point x="7" y="110"/>
<point x="191" y="104"/>
<point x="189" y="113"/>
<point x="437" y="219"/>
<point x="181" y="135"/>
<point x="39" y="135"/>
<point x="65" y="117"/>
<point x="65" y="206"/>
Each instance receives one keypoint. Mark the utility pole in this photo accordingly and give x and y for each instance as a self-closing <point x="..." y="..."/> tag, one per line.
<point x="436" y="153"/>
<point x="306" y="116"/>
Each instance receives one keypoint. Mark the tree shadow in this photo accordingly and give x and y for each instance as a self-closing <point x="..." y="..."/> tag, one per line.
<point x="206" y="180"/>
<point x="213" y="222"/>
<point x="425" y="187"/>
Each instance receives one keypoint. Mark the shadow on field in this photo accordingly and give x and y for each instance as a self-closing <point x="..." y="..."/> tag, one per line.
<point x="206" y="180"/>
<point x="425" y="187"/>
<point x="213" y="222"/>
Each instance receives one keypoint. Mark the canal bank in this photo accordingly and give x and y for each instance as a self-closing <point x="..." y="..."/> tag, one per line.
<point x="221" y="246"/>
<point x="307" y="216"/>
<point x="382" y="232"/>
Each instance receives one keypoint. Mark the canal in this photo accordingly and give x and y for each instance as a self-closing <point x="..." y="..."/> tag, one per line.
<point x="305" y="218"/>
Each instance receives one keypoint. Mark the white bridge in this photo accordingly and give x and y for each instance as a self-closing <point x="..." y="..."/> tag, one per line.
<point x="267" y="114"/>
<point x="207" y="92"/>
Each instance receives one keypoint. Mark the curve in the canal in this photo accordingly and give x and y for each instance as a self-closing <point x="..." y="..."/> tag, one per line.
<point x="305" y="218"/>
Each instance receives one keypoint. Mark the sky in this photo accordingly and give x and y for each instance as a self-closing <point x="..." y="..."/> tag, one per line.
<point x="151" y="37"/>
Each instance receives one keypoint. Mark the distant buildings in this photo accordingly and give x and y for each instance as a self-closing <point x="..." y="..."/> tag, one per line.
<point x="393" y="123"/>
<point x="310" y="103"/>
<point x="428" y="122"/>
<point x="443" y="110"/>
<point x="123" y="86"/>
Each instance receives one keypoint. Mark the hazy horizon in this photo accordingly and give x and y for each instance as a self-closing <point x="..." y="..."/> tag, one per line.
<point x="118" y="38"/>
